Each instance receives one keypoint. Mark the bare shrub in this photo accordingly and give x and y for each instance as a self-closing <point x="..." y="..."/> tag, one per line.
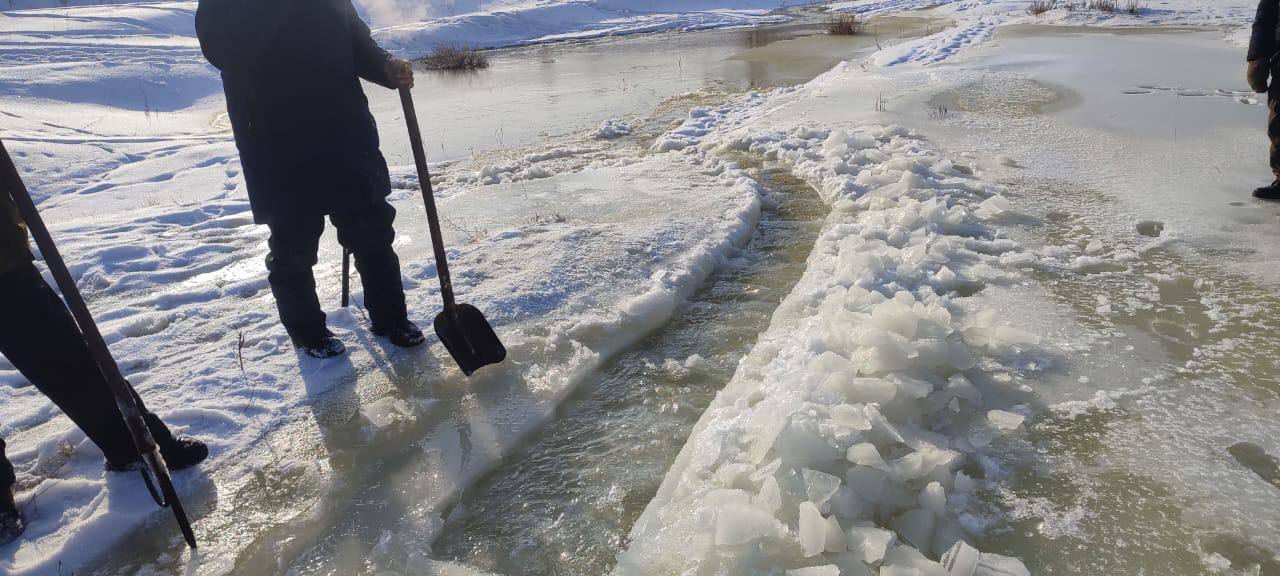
<point x="1133" y="7"/>
<point x="1039" y="7"/>
<point x="454" y="57"/>
<point x="1104" y="5"/>
<point x="844" y="25"/>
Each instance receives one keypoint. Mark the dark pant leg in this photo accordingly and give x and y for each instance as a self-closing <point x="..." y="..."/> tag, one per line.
<point x="1273" y="128"/>
<point x="295" y="239"/>
<point x="7" y="477"/>
<point x="368" y="234"/>
<point x="41" y="340"/>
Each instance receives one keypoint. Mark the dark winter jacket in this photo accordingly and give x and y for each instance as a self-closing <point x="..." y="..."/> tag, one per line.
<point x="14" y="251"/>
<point x="1266" y="28"/>
<point x="291" y="71"/>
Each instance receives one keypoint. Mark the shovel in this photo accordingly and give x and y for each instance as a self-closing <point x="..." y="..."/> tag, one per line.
<point x="461" y="327"/>
<point x="155" y="474"/>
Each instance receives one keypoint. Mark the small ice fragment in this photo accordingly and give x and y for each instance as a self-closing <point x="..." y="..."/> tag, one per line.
<point x="869" y="542"/>
<point x="961" y="387"/>
<point x="1094" y="247"/>
<point x="1005" y="160"/>
<point x="934" y="499"/>
<point x="965" y="560"/>
<point x="866" y="454"/>
<point x="820" y="486"/>
<point x="813" y="530"/>
<point x="1005" y="420"/>
<point x="850" y="416"/>
<point x="1217" y="563"/>
<point x="981" y="436"/>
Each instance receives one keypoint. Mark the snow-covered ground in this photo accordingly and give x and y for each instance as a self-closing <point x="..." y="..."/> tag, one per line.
<point x="1031" y="285"/>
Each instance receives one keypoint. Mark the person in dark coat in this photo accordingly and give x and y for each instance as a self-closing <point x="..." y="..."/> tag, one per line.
<point x="309" y="147"/>
<point x="39" y="337"/>
<point x="1262" y="65"/>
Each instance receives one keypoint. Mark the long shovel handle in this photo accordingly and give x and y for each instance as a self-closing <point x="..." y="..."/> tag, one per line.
<point x="346" y="277"/>
<point x="142" y="438"/>
<point x="428" y="196"/>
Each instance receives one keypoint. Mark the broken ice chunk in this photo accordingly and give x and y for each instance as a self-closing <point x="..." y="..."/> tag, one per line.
<point x="741" y="523"/>
<point x="869" y="543"/>
<point x="836" y="541"/>
<point x="813" y="530"/>
<point x="866" y="454"/>
<point x="820" y="486"/>
<point x="907" y="561"/>
<point x="769" y="498"/>
<point x="965" y="560"/>
<point x="384" y="413"/>
<point x="827" y="570"/>
<point x="870" y="390"/>
<point x="1005" y="420"/>
<point x="934" y="499"/>
<point x="850" y="416"/>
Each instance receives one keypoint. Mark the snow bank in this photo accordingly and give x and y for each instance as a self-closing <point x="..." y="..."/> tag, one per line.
<point x="564" y="294"/>
<point x="835" y="448"/>
<point x="531" y="22"/>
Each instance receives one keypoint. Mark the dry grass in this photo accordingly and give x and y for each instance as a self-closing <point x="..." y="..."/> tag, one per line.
<point x="1133" y="7"/>
<point x="447" y="57"/>
<point x="1104" y="5"/>
<point x="1039" y="7"/>
<point x="844" y="25"/>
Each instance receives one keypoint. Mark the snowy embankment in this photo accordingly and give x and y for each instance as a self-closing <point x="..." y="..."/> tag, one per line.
<point x="838" y="441"/>
<point x="548" y="21"/>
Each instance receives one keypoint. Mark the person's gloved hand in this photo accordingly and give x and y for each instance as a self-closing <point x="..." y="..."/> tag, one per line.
<point x="401" y="73"/>
<point x="1259" y="73"/>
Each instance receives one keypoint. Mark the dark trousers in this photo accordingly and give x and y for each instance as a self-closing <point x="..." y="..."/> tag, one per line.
<point x="40" y="339"/>
<point x="294" y="243"/>
<point x="1273" y="128"/>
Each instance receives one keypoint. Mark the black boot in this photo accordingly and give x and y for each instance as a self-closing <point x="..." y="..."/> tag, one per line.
<point x="181" y="453"/>
<point x="404" y="333"/>
<point x="1268" y="192"/>
<point x="12" y="523"/>
<point x="320" y="345"/>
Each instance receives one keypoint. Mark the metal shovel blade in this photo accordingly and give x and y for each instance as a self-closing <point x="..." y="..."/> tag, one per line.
<point x="469" y="338"/>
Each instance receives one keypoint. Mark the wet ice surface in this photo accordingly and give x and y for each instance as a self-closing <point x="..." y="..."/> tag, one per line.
<point x="1152" y="445"/>
<point x="565" y="503"/>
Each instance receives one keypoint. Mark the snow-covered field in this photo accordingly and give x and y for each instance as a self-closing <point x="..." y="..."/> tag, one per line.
<point x="1032" y="285"/>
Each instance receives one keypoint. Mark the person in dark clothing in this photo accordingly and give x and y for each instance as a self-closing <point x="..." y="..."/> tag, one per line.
<point x="309" y="147"/>
<point x="1262" y="65"/>
<point x="40" y="338"/>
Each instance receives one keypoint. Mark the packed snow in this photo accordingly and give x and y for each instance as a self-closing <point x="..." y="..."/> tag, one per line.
<point x="957" y="320"/>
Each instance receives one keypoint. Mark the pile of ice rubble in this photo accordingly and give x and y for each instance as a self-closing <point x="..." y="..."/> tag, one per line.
<point x="836" y="447"/>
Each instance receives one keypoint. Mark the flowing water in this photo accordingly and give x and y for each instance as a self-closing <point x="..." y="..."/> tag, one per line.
<point x="530" y="94"/>
<point x="565" y="503"/>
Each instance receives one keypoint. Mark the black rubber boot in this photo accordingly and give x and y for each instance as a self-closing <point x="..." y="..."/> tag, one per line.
<point x="322" y="345"/>
<point x="12" y="523"/>
<point x="404" y="333"/>
<point x="182" y="453"/>
<point x="1268" y="192"/>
